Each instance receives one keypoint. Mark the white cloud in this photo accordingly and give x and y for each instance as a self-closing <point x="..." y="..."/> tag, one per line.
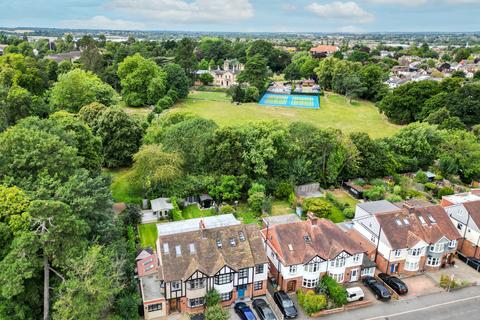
<point x="422" y="2"/>
<point x="341" y="10"/>
<point x="102" y="22"/>
<point x="187" y="12"/>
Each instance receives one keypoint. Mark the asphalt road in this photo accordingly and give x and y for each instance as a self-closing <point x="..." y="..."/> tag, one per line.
<point x="462" y="304"/>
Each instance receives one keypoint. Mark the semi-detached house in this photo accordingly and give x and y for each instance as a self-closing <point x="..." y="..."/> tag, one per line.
<point x="197" y="255"/>
<point x="301" y="252"/>
<point x="409" y="237"/>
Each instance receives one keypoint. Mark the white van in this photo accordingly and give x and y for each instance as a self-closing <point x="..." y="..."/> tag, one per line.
<point x="354" y="294"/>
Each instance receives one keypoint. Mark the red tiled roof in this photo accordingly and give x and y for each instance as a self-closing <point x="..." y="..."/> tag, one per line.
<point x="473" y="209"/>
<point x="406" y="235"/>
<point x="147" y="265"/>
<point x="324" y="48"/>
<point x="327" y="241"/>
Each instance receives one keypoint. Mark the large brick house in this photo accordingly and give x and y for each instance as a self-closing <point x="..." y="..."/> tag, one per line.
<point x="301" y="252"/>
<point x="197" y="255"/>
<point x="409" y="237"/>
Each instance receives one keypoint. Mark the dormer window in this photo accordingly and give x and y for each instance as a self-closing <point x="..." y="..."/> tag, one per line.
<point x="178" y="250"/>
<point x="307" y="238"/>
<point x="430" y="217"/>
<point x="191" y="246"/>
<point x="166" y="249"/>
<point x="241" y="236"/>
<point x="219" y="244"/>
<point x="233" y="242"/>
<point x="422" y="220"/>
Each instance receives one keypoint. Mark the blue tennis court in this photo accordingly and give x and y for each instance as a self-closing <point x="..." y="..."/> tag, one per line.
<point x="290" y="100"/>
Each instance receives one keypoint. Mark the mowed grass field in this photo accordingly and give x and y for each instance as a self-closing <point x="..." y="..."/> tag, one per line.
<point x="334" y="112"/>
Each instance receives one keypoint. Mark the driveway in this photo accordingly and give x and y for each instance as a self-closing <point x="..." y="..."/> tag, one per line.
<point x="420" y="285"/>
<point x="461" y="272"/>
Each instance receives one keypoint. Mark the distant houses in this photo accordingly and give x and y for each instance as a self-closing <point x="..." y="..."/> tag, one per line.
<point x="322" y="51"/>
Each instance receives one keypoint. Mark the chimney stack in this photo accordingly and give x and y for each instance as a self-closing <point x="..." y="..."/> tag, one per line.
<point x="313" y="219"/>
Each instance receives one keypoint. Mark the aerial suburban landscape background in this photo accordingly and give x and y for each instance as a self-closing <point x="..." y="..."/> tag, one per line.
<point x="239" y="159"/>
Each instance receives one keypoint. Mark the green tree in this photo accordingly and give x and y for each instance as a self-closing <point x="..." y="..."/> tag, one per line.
<point x="185" y="57"/>
<point x="226" y="189"/>
<point x="90" y="287"/>
<point x="20" y="103"/>
<point x="153" y="166"/>
<point x="375" y="158"/>
<point x="319" y="207"/>
<point x="120" y="134"/>
<point x="143" y="82"/>
<point x="255" y="72"/>
<point x="78" y="88"/>
<point x="212" y="298"/>
<point x="177" y="79"/>
<point x="206" y="78"/>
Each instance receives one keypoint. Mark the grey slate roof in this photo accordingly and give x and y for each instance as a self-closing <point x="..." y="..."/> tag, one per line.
<point x="380" y="206"/>
<point x="161" y="204"/>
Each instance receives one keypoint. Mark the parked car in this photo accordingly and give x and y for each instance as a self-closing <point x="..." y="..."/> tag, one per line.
<point x="474" y="263"/>
<point x="263" y="310"/>
<point x="244" y="311"/>
<point x="355" y="294"/>
<point x="393" y="282"/>
<point x="285" y="304"/>
<point x="379" y="290"/>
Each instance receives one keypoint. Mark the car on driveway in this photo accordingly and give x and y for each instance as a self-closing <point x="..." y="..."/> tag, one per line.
<point x="393" y="282"/>
<point x="285" y="304"/>
<point x="355" y="294"/>
<point x="244" y="311"/>
<point x="263" y="310"/>
<point x="474" y="263"/>
<point x="379" y="290"/>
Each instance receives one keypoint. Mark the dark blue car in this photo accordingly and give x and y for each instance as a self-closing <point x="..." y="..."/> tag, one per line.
<point x="244" y="311"/>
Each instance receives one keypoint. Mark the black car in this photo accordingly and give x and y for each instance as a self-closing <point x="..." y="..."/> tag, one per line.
<point x="393" y="282"/>
<point x="244" y="311"/>
<point x="474" y="263"/>
<point x="263" y="310"/>
<point x="379" y="290"/>
<point x="285" y="304"/>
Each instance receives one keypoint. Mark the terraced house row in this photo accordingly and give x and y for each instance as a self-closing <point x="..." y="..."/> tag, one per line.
<point x="219" y="252"/>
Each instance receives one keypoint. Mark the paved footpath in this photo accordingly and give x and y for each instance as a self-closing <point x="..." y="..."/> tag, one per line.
<point x="462" y="304"/>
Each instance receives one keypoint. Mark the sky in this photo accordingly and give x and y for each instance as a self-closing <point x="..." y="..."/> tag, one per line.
<point x="246" y="15"/>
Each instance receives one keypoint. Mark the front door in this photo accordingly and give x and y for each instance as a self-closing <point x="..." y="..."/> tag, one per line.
<point x="291" y="285"/>
<point x="241" y="291"/>
<point x="173" y="305"/>
<point x="354" y="275"/>
<point x="394" y="268"/>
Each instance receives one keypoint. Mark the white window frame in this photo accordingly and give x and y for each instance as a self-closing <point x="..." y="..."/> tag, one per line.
<point x="415" y="252"/>
<point x="437" y="248"/>
<point x="338" y="263"/>
<point x="310" y="283"/>
<point x="356" y="258"/>
<point x="411" y="266"/>
<point x="292" y="269"/>
<point x="155" y="307"/>
<point x="312" y="267"/>
<point x="259" y="268"/>
<point x="339" y="277"/>
<point x="397" y="253"/>
<point x="243" y="273"/>
<point x="431" y="260"/>
<point x="176" y="285"/>
<point x="257" y="285"/>
<point x="452" y="244"/>
<point x="196" y="302"/>
<point x="226" y="296"/>
<point x="196" y="284"/>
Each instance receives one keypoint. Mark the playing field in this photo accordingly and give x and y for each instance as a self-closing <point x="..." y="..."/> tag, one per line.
<point x="285" y="100"/>
<point x="335" y="112"/>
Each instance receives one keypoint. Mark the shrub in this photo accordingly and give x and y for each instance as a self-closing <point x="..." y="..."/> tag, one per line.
<point x="421" y="177"/>
<point x="216" y="313"/>
<point x="267" y="205"/>
<point x="311" y="302"/>
<point x="447" y="282"/>
<point x="255" y="201"/>
<point x="292" y="199"/>
<point x="349" y="212"/>
<point x="176" y="212"/>
<point x="319" y="207"/>
<point x="430" y="186"/>
<point x="173" y="94"/>
<point x="445" y="191"/>
<point x="394" y="198"/>
<point x="375" y="193"/>
<point x="336" y="291"/>
<point x="397" y="190"/>
<point x="212" y="298"/>
<point x="163" y="104"/>
<point x="226" y="208"/>
<point x="283" y="190"/>
<point x="256" y="187"/>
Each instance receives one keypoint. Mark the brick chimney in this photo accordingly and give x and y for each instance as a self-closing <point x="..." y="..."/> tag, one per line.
<point x="313" y="219"/>
<point x="202" y="227"/>
<point x="408" y="206"/>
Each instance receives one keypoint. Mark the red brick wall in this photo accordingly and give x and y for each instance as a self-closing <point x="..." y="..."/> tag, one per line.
<point x="468" y="249"/>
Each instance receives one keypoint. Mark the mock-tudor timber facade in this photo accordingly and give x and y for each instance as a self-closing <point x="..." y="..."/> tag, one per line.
<point x="228" y="257"/>
<point x="301" y="252"/>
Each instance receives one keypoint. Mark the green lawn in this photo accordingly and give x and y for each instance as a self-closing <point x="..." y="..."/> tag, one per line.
<point x="148" y="234"/>
<point x="335" y="111"/>
<point x="122" y="189"/>
<point x="192" y="211"/>
<point x="344" y="197"/>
